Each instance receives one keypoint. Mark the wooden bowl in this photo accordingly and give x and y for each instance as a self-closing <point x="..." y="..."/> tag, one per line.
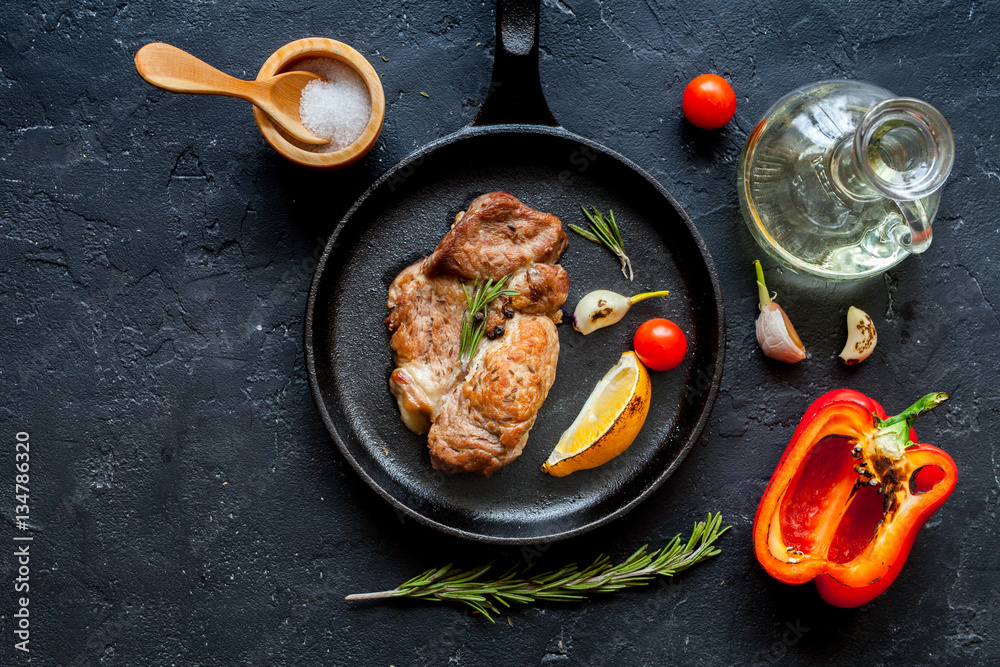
<point x="284" y="60"/>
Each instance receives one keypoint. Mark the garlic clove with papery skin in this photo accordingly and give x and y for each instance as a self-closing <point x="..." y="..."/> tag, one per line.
<point x="602" y="308"/>
<point x="861" y="337"/>
<point x="775" y="334"/>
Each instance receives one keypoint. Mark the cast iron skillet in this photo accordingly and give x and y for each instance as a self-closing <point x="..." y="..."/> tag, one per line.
<point x="514" y="144"/>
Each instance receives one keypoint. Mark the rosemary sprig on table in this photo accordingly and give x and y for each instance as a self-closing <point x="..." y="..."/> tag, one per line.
<point x="604" y="231"/>
<point x="471" y="587"/>
<point x="474" y="317"/>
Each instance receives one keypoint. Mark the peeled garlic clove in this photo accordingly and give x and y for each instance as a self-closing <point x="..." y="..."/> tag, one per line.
<point x="598" y="309"/>
<point x="602" y="308"/>
<point x="861" y="337"/>
<point x="776" y="335"/>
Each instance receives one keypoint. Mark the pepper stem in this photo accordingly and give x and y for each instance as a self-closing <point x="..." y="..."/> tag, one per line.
<point x="923" y="406"/>
<point x="646" y="295"/>
<point x="898" y="426"/>
<point x="762" y="293"/>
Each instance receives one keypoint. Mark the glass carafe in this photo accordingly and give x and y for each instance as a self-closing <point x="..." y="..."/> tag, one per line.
<point x="841" y="179"/>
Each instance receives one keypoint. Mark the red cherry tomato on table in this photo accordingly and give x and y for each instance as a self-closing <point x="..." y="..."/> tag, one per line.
<point x="709" y="101"/>
<point x="660" y="344"/>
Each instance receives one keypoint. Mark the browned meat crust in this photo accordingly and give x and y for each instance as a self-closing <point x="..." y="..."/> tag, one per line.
<point x="496" y="236"/>
<point x="478" y="417"/>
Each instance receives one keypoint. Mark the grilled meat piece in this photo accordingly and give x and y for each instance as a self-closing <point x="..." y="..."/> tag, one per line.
<point x="478" y="416"/>
<point x="496" y="236"/>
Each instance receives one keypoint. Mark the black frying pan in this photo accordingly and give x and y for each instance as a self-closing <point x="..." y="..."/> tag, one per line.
<point x="514" y="144"/>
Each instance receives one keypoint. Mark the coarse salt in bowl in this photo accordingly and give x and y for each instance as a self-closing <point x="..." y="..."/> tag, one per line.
<point x="347" y="106"/>
<point x="337" y="108"/>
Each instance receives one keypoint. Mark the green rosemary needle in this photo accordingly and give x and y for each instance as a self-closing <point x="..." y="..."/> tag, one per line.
<point x="477" y="301"/>
<point x="604" y="231"/>
<point x="472" y="588"/>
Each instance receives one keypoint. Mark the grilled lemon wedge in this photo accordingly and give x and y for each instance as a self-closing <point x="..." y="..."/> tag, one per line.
<point x="609" y="421"/>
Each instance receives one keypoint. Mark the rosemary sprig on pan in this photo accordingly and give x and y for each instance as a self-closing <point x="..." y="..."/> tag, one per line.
<point x="474" y="317"/>
<point x="472" y="588"/>
<point x="604" y="231"/>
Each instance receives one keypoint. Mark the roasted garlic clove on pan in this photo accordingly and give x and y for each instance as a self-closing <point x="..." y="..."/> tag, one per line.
<point x="602" y="308"/>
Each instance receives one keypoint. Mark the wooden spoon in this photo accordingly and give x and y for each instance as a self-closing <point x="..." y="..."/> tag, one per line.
<point x="178" y="71"/>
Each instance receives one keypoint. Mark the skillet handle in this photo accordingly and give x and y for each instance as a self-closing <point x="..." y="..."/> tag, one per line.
<point x="515" y="94"/>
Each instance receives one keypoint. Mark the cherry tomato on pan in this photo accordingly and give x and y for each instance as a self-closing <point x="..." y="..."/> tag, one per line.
<point x="709" y="101"/>
<point x="660" y="344"/>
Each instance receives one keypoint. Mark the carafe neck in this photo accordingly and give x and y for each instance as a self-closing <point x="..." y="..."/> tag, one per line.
<point x="902" y="150"/>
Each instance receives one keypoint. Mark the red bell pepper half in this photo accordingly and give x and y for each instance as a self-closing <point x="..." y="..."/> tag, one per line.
<point x="849" y="496"/>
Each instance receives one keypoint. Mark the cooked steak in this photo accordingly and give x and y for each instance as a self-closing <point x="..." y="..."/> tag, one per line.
<point x="478" y="415"/>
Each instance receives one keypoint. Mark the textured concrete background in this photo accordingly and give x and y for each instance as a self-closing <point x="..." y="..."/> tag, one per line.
<point x="187" y="504"/>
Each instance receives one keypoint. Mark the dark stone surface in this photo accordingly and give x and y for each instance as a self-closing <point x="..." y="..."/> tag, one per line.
<point x="187" y="505"/>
